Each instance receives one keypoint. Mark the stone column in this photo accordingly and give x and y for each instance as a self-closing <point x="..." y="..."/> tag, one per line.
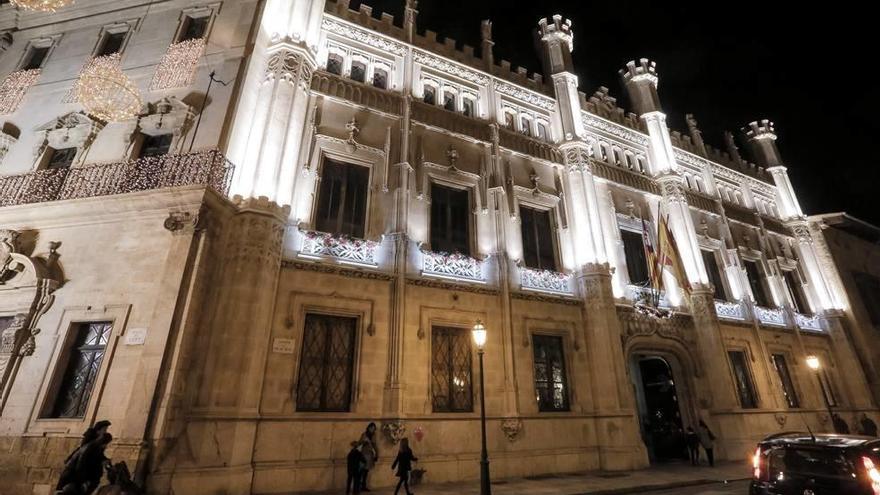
<point x="617" y="426"/>
<point x="711" y="353"/>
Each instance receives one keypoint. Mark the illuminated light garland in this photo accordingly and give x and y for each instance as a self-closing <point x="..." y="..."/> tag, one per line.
<point x="41" y="5"/>
<point x="106" y="92"/>
<point x="178" y="66"/>
<point x="14" y="87"/>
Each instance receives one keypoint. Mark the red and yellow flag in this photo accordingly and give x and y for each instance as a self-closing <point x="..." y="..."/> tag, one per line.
<point x="669" y="256"/>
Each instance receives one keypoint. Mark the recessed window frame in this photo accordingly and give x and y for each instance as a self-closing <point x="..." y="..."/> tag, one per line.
<point x="468" y="213"/>
<point x="795" y="291"/>
<point x="721" y="291"/>
<point x="747" y="397"/>
<point x="349" y="161"/>
<point x="552" y="235"/>
<point x="438" y="331"/>
<point x="563" y="360"/>
<point x="352" y="364"/>
<point x="123" y="28"/>
<point x="780" y="362"/>
<point x="765" y="300"/>
<point x="187" y="15"/>
<point x="47" y="43"/>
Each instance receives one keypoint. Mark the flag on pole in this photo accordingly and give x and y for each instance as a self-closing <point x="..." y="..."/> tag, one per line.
<point x="654" y="270"/>
<point x="669" y="256"/>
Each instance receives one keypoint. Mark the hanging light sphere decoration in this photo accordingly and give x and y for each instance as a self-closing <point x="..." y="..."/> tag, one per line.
<point x="106" y="92"/>
<point x="41" y="5"/>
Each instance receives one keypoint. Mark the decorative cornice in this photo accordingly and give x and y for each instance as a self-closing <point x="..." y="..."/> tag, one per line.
<point x="525" y="95"/>
<point x="437" y="284"/>
<point x="363" y="36"/>
<point x="335" y="270"/>
<point x="609" y="127"/>
<point x="568" y="301"/>
<point x="449" y="68"/>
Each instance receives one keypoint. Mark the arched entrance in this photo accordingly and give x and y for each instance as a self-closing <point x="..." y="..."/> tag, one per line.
<point x="662" y="415"/>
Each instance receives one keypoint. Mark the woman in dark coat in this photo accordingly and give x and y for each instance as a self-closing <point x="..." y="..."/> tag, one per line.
<point x="371" y="454"/>
<point x="84" y="470"/>
<point x="403" y="463"/>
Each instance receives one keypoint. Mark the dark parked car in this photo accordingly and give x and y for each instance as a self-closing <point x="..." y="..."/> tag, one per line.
<point x="806" y="464"/>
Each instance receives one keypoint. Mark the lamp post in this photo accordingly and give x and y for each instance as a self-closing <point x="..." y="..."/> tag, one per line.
<point x="814" y="364"/>
<point x="479" y="334"/>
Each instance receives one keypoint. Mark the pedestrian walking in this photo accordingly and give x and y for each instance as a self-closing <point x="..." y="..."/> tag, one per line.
<point x="83" y="472"/>
<point x="693" y="445"/>
<point x="869" y="427"/>
<point x="403" y="463"/>
<point x="91" y="434"/>
<point x="371" y="453"/>
<point x="356" y="464"/>
<point x="707" y="440"/>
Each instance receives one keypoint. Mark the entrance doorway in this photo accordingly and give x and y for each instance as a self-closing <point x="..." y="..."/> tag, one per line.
<point x="659" y="408"/>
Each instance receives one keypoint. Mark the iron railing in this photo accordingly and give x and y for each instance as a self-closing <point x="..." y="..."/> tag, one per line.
<point x="207" y="167"/>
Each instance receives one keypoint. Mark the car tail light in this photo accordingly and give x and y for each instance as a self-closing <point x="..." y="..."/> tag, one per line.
<point x="756" y="463"/>
<point x="873" y="474"/>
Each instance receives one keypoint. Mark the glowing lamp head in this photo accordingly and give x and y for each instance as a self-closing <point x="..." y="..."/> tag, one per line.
<point x="813" y="363"/>
<point x="479" y="333"/>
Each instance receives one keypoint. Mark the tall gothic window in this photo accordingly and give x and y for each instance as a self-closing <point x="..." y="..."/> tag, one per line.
<point x="795" y="291"/>
<point x="155" y="145"/>
<point x="81" y="369"/>
<point x="327" y="363"/>
<point x="785" y="380"/>
<point x="450" y="219"/>
<point x="537" y="238"/>
<point x="714" y="273"/>
<point x="451" y="383"/>
<point x="827" y="388"/>
<point x="551" y="384"/>
<point x="742" y="375"/>
<point x="753" y="273"/>
<point x="342" y="200"/>
<point x="636" y="264"/>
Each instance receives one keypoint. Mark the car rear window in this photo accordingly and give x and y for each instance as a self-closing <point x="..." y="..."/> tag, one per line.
<point x="810" y="460"/>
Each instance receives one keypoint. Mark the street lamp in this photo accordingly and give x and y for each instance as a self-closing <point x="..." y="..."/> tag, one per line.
<point x="479" y="334"/>
<point x="814" y="364"/>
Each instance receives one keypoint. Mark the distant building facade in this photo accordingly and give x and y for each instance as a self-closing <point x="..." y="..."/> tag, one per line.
<point x="242" y="280"/>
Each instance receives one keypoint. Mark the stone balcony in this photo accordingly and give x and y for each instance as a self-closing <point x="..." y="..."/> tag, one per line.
<point x="338" y="248"/>
<point x="208" y="167"/>
<point x="456" y="266"/>
<point x="772" y="317"/>
<point x="546" y="281"/>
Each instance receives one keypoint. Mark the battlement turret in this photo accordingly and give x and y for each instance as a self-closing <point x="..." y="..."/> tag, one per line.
<point x="557" y="39"/>
<point x="640" y="80"/>
<point x="761" y="139"/>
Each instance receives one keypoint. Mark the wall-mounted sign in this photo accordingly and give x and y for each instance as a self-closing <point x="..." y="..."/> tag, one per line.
<point x="136" y="336"/>
<point x="282" y="345"/>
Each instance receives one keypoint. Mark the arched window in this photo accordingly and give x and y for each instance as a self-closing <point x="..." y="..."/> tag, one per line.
<point x="525" y="125"/>
<point x="449" y="100"/>
<point x="738" y="198"/>
<point x="380" y="78"/>
<point x="509" y="119"/>
<point x="687" y="180"/>
<point x="628" y="159"/>
<point x="698" y="183"/>
<point x="430" y="95"/>
<point x="603" y="149"/>
<point x="543" y="134"/>
<point x="468" y="106"/>
<point x="640" y="162"/>
<point x="334" y="64"/>
<point x="358" y="71"/>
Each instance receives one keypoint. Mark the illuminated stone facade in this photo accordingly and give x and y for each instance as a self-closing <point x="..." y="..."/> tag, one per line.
<point x="381" y="192"/>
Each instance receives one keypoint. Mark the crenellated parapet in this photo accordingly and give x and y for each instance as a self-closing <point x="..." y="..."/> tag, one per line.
<point x="557" y="28"/>
<point x="760" y="129"/>
<point x="640" y="80"/>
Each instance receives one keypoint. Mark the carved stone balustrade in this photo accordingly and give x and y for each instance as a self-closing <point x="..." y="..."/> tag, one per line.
<point x="528" y="146"/>
<point x="209" y="168"/>
<point x="808" y="322"/>
<point x="454" y="266"/>
<point x="346" y="250"/>
<point x="770" y="316"/>
<point x="727" y="310"/>
<point x="546" y="281"/>
<point x="435" y="116"/>
<point x="356" y="92"/>
<point x="637" y="293"/>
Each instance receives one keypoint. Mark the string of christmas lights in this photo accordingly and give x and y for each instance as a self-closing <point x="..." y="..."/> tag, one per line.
<point x="178" y="66"/>
<point x="41" y="5"/>
<point x="13" y="88"/>
<point x="106" y="92"/>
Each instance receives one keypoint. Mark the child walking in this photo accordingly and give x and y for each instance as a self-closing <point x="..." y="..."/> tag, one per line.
<point x="403" y="463"/>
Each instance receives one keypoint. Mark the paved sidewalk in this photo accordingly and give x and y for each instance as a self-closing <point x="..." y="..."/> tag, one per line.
<point x="594" y="483"/>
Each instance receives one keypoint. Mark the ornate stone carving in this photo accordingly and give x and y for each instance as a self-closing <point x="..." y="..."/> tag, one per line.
<point x="780" y="419"/>
<point x="181" y="222"/>
<point x="511" y="427"/>
<point x="394" y="430"/>
<point x="592" y="121"/>
<point x="801" y="232"/>
<point x="168" y="115"/>
<point x="73" y="130"/>
<point x="8" y="246"/>
<point x="577" y="159"/>
<point x="672" y="188"/>
<point x="525" y="95"/>
<point x="284" y="65"/>
<point x="363" y="36"/>
<point x="449" y="68"/>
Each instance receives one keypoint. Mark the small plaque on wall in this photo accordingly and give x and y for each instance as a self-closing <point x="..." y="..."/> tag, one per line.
<point x="282" y="346"/>
<point x="136" y="336"/>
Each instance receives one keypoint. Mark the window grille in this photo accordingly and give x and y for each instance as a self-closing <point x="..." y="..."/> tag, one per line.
<point x="81" y="371"/>
<point x="451" y="375"/>
<point x="326" y="364"/>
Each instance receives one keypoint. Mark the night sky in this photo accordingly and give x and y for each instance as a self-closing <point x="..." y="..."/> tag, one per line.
<point x="806" y="69"/>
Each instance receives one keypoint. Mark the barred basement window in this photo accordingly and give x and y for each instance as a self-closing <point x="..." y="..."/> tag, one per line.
<point x="537" y="239"/>
<point x="450" y="219"/>
<point x="551" y="385"/>
<point x="451" y="384"/>
<point x="742" y="376"/>
<point x="342" y="200"/>
<point x="788" y="390"/>
<point x="714" y="273"/>
<point x="81" y="369"/>
<point x="634" y="251"/>
<point x="155" y="145"/>
<point x="326" y="364"/>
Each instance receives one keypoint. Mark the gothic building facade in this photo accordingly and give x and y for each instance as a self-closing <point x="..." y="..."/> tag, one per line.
<point x="314" y="206"/>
